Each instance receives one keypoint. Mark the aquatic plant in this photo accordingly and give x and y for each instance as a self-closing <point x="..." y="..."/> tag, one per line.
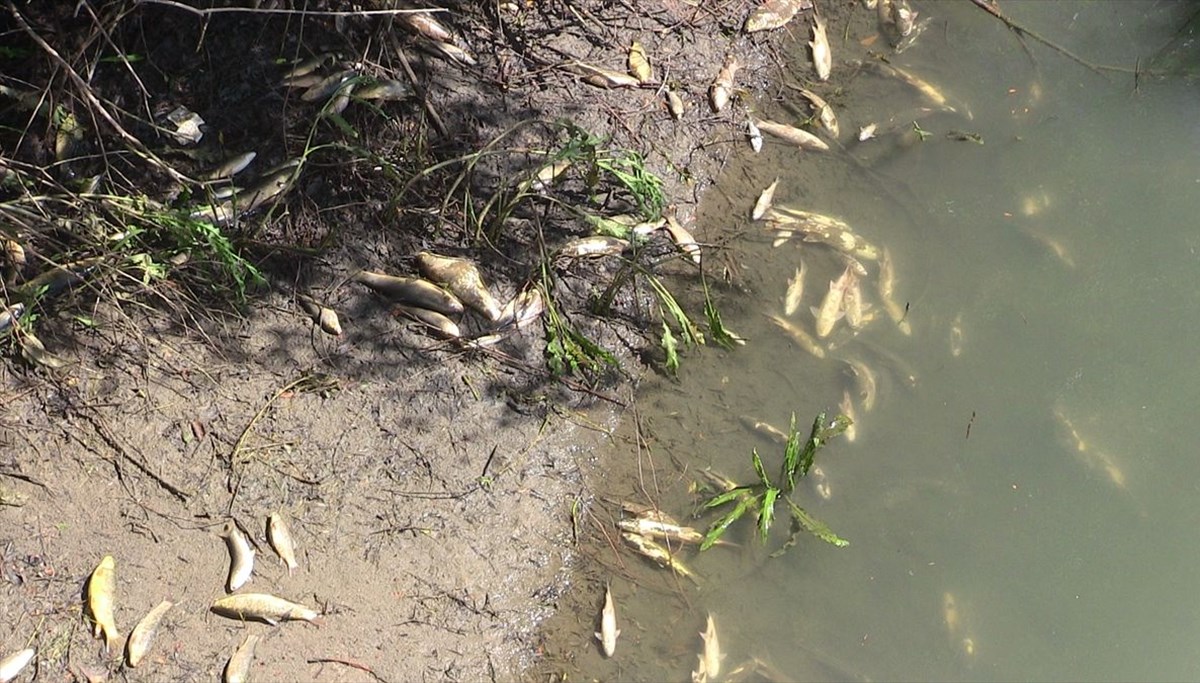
<point x="764" y="495"/>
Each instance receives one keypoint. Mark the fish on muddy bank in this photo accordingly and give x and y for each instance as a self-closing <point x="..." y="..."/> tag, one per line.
<point x="662" y="556"/>
<point x="592" y="246"/>
<point x="412" y="291"/>
<point x="262" y="607"/>
<point x="797" y="136"/>
<point x="721" y="90"/>
<point x="280" y="538"/>
<point x="774" y="14"/>
<point x="237" y="669"/>
<point x="101" y="594"/>
<point x="143" y="634"/>
<point x="463" y="279"/>
<point x="822" y="112"/>
<point x="13" y="664"/>
<point x="431" y="319"/>
<point x="326" y="318"/>
<point x="241" y="557"/>
<point x="764" y="201"/>
<point x="607" y="635"/>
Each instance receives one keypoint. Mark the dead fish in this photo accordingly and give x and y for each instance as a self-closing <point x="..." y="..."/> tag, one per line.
<point x="12" y="665"/>
<point x="326" y="318"/>
<point x="9" y="317"/>
<point x="866" y="381"/>
<point x="683" y="239"/>
<point x="653" y="528"/>
<point x="546" y="175"/>
<point x="755" y="135"/>
<point x="1055" y="246"/>
<point x="596" y="245"/>
<point x="52" y="282"/>
<point x="329" y="85"/>
<point x="950" y="615"/>
<point x="821" y="55"/>
<point x="820" y="482"/>
<point x="649" y="549"/>
<point x="649" y="512"/>
<point x="802" y="338"/>
<point x="450" y="51"/>
<point x="831" y="306"/>
<point x="847" y="409"/>
<point x="922" y="86"/>
<point x="795" y="291"/>
<point x="262" y="607"/>
<point x="142" y="635"/>
<point x="774" y="14"/>
<point x="241" y="557"/>
<point x="639" y="63"/>
<point x="721" y="89"/>
<point x="764" y="201"/>
<point x="674" y="104"/>
<point x="305" y="81"/>
<point x="232" y="166"/>
<point x="237" y="669"/>
<point x="852" y="303"/>
<point x="867" y="132"/>
<point x="411" y="290"/>
<point x="424" y="24"/>
<point x="280" y="538"/>
<point x="887" y="287"/>
<point x="823" y="112"/>
<point x="524" y="308"/>
<point x="35" y="352"/>
<point x="956" y="336"/>
<point x="385" y="89"/>
<point x="792" y="134"/>
<point x="187" y="124"/>
<point x="607" y="635"/>
<point x="101" y="592"/>
<point x="712" y="649"/>
<point x="270" y="185"/>
<point x="431" y="319"/>
<point x="308" y="66"/>
<point x="603" y="78"/>
<point x="765" y="428"/>
<point x="463" y="279"/>
<point x="15" y="254"/>
<point x="1089" y="456"/>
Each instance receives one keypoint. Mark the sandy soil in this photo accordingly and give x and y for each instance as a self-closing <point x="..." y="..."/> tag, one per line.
<point x="434" y="492"/>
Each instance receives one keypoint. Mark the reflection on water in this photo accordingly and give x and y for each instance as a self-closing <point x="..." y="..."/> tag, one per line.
<point x="1018" y="493"/>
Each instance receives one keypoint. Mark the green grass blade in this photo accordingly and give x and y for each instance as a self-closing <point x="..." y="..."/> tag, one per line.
<point x="814" y="526"/>
<point x="728" y="496"/>
<point x="791" y="455"/>
<point x="766" y="513"/>
<point x="722" y="525"/>
<point x="671" y="347"/>
<point x="759" y="469"/>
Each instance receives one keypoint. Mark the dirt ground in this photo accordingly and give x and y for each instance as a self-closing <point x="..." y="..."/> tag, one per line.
<point x="434" y="491"/>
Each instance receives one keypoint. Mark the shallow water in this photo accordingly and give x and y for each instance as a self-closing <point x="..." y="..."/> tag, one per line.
<point x="964" y="482"/>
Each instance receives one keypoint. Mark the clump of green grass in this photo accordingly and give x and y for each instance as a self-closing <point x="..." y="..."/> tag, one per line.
<point x="763" y="496"/>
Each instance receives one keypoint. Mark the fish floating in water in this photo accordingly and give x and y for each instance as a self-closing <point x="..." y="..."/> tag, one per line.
<point x="887" y="291"/>
<point x="802" y="338"/>
<point x="831" y="306"/>
<point x="708" y="668"/>
<point x="822" y="229"/>
<point x="764" y="201"/>
<point x="653" y="551"/>
<point x="823" y="112"/>
<point x="795" y="291"/>
<point x="607" y="635"/>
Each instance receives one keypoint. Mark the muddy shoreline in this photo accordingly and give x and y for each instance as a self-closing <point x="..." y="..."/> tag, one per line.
<point x="434" y="491"/>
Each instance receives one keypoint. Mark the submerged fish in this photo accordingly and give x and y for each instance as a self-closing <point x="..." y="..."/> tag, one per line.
<point x="795" y="291"/>
<point x="792" y="134"/>
<point x="865" y="377"/>
<point x="764" y="201"/>
<point x="847" y="408"/>
<point x="607" y="635"/>
<point x="823" y="112"/>
<point x="463" y="279"/>
<point x="237" y="669"/>
<point x="711" y="660"/>
<point x="852" y="305"/>
<point x="820" y="482"/>
<point x="887" y="289"/>
<point x="956" y="336"/>
<point x="262" y="607"/>
<point x="241" y="557"/>
<point x="822" y="57"/>
<point x="802" y="338"/>
<point x="822" y="229"/>
<point x="950" y="615"/>
<point x="101" y="590"/>
<point x="649" y="549"/>
<point x="917" y="83"/>
<point x="831" y="306"/>
<point x="411" y="290"/>
<point x="654" y="528"/>
<point x="1091" y="457"/>
<point x="143" y="634"/>
<point x="280" y="538"/>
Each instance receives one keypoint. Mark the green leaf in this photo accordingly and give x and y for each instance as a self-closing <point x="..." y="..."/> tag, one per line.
<point x="759" y="469"/>
<point x="814" y="526"/>
<point x="791" y="455"/>
<point x="721" y="499"/>
<point x="720" y="335"/>
<point x="720" y="526"/>
<point x="691" y="335"/>
<point x="670" y="346"/>
<point x="766" y="512"/>
<point x="810" y="447"/>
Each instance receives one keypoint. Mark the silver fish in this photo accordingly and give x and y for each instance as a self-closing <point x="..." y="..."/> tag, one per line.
<point x="409" y="290"/>
<point x="822" y="57"/>
<point x="326" y="318"/>
<point x="143" y="634"/>
<point x="463" y="279"/>
<point x="798" y="335"/>
<point x="241" y="557"/>
<point x="721" y="89"/>
<point x="831" y="306"/>
<point x="887" y="290"/>
<point x="12" y="665"/>
<point x="262" y="607"/>
<point x="847" y="408"/>
<point x="596" y="245"/>
<point x="232" y="166"/>
<point x="329" y="85"/>
<point x="823" y="112"/>
<point x="792" y="134"/>
<point x="424" y="24"/>
<point x="712" y="649"/>
<point x="385" y="89"/>
<point x="649" y="549"/>
<point x="432" y="319"/>
<point x="237" y="669"/>
<point x="308" y="66"/>
<point x="795" y="291"/>
<point x="764" y="201"/>
<point x="607" y="635"/>
<point x="280" y="538"/>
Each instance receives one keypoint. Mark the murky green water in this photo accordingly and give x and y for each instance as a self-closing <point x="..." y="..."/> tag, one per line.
<point x="1062" y="565"/>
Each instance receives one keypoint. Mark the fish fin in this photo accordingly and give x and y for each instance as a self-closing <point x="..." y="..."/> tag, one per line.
<point x="112" y="641"/>
<point x="600" y="637"/>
